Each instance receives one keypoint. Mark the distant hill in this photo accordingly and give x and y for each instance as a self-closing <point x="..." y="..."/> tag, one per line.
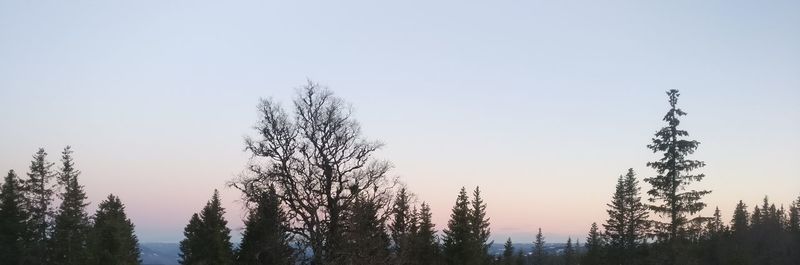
<point x="159" y="253"/>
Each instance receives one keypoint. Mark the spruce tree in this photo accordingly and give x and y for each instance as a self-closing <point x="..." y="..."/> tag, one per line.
<point x="480" y="228"/>
<point x="14" y="237"/>
<point x="539" y="255"/>
<point x="112" y="240"/>
<point x="508" y="252"/>
<point x="71" y="229"/>
<point x="627" y="223"/>
<point x="794" y="218"/>
<point x="670" y="194"/>
<point x="266" y="239"/>
<point x="520" y="258"/>
<point x="457" y="241"/>
<point x="400" y="228"/>
<point x="740" y="222"/>
<point x="715" y="227"/>
<point x="366" y="241"/>
<point x="426" y="244"/>
<point x="570" y="257"/>
<point x="39" y="194"/>
<point x="208" y="239"/>
<point x="595" y="245"/>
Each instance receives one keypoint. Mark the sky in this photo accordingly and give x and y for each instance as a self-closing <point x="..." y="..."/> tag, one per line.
<point x="541" y="104"/>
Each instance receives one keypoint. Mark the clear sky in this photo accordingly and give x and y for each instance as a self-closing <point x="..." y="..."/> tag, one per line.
<point x="542" y="104"/>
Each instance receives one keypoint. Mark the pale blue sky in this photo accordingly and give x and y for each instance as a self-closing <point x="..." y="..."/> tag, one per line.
<point x="542" y="104"/>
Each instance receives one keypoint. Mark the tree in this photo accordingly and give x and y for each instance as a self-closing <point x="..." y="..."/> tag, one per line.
<point x="13" y="222"/>
<point x="627" y="224"/>
<point x="794" y="217"/>
<point x="265" y="239"/>
<point x="569" y="253"/>
<point x="670" y="194"/>
<point x="39" y="194"/>
<point x="426" y="244"/>
<point x="520" y="259"/>
<point x="715" y="227"/>
<point x="480" y="228"/>
<point x="458" y="238"/>
<point x="539" y="255"/>
<point x="740" y="222"/>
<point x="318" y="163"/>
<point x="366" y="241"/>
<point x="71" y="229"/>
<point x="594" y="247"/>
<point x="112" y="240"/>
<point x="508" y="252"/>
<point x="400" y="227"/>
<point x="208" y="239"/>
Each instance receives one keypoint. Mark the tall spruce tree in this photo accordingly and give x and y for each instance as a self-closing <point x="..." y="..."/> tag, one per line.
<point x="740" y="222"/>
<point x="595" y="245"/>
<point x="208" y="239"/>
<point x="480" y="228"/>
<point x="670" y="194"/>
<point x="71" y="229"/>
<point x="112" y="240"/>
<point x="570" y="257"/>
<point x="39" y="194"/>
<point x="457" y="242"/>
<point x="508" y="253"/>
<point x="14" y="229"/>
<point x="539" y="255"/>
<point x="366" y="241"/>
<point x="426" y="243"/>
<point x="400" y="228"/>
<point x="627" y="224"/>
<point x="266" y="239"/>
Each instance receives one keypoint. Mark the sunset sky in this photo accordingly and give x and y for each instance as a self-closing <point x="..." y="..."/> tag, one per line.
<point x="541" y="104"/>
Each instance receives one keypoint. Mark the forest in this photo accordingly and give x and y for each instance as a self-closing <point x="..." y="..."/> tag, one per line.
<point x="316" y="194"/>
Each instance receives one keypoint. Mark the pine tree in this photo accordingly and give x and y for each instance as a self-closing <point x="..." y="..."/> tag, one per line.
<point x="366" y="239"/>
<point x="112" y="240"/>
<point x="539" y="255"/>
<point x="626" y="226"/>
<point x="670" y="194"/>
<point x="458" y="234"/>
<point x="595" y="245"/>
<point x="426" y="244"/>
<point x="480" y="228"/>
<point x="569" y="253"/>
<point x="508" y="252"/>
<point x="740" y="222"/>
<point x="208" y="239"/>
<point x="13" y="222"/>
<point x="715" y="227"/>
<point x="400" y="228"/>
<point x="39" y="194"/>
<point x="71" y="229"/>
<point x="266" y="239"/>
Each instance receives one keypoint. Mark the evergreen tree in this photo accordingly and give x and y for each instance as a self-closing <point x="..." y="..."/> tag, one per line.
<point x="400" y="228"/>
<point x="266" y="239"/>
<point x="715" y="227"/>
<point x="670" y="193"/>
<point x="13" y="222"/>
<point x="539" y="255"/>
<point x="569" y="253"/>
<point x="480" y="228"/>
<point x="458" y="234"/>
<point x="208" y="239"/>
<point x="71" y="229"/>
<point x="626" y="227"/>
<point x="39" y="194"/>
<point x="508" y="253"/>
<point x="366" y="239"/>
<point x="794" y="217"/>
<point x="520" y="259"/>
<point x="112" y="240"/>
<point x="426" y="244"/>
<point x="594" y="247"/>
<point x="740" y="222"/>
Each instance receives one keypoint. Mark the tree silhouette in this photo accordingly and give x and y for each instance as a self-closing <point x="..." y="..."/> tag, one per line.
<point x="112" y="240"/>
<point x="71" y="229"/>
<point x="14" y="229"/>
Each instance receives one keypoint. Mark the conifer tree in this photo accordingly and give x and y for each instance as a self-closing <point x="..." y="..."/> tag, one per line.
<point x="265" y="239"/>
<point x="112" y="240"/>
<point x="365" y="235"/>
<point x="520" y="258"/>
<point x="539" y="255"/>
<point x="670" y="194"/>
<point x="740" y="222"/>
<point x="458" y="238"/>
<point x="508" y="252"/>
<point x="208" y="239"/>
<point x="426" y="244"/>
<point x="570" y="258"/>
<point x="794" y="217"/>
<point x="480" y="228"/>
<point x="13" y="222"/>
<point x="400" y="228"/>
<point x="626" y="227"/>
<point x="39" y="194"/>
<point x="595" y="245"/>
<point x="71" y="229"/>
<point x="715" y="227"/>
